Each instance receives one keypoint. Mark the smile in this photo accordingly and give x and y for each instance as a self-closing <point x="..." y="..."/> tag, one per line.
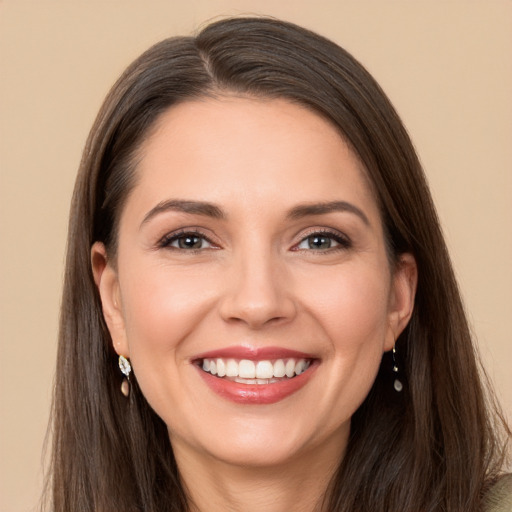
<point x="255" y="376"/>
<point x="246" y="371"/>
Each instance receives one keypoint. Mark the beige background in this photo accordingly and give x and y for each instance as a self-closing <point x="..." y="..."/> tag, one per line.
<point x="447" y="66"/>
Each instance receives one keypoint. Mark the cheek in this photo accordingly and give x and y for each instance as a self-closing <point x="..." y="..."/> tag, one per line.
<point x="352" y="306"/>
<point x="162" y="309"/>
<point x="353" y="312"/>
<point x="161" y="306"/>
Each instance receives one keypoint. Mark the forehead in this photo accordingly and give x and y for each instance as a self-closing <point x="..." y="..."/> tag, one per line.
<point x="260" y="150"/>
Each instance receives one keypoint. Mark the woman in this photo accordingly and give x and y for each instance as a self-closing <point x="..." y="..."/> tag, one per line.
<point x="259" y="310"/>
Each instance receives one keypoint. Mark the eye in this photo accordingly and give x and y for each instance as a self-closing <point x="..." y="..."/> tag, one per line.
<point x="186" y="241"/>
<point x="323" y="242"/>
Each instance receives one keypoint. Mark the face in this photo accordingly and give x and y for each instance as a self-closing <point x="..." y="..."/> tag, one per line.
<point x="251" y="288"/>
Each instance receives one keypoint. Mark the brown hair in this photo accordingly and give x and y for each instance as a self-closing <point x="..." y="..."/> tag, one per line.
<point x="432" y="447"/>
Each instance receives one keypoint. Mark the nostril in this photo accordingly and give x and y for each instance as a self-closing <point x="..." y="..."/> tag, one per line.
<point x="258" y="294"/>
<point x="257" y="318"/>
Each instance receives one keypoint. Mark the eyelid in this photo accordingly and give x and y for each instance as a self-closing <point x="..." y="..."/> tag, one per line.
<point x="166" y="241"/>
<point x="343" y="241"/>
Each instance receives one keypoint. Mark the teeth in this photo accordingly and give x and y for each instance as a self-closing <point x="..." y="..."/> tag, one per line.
<point x="299" y="367"/>
<point x="279" y="368"/>
<point x="221" y="368"/>
<point x="231" y="368"/>
<point x="264" y="370"/>
<point x="246" y="369"/>
<point x="255" y="372"/>
<point x="254" y="381"/>
<point x="290" y="368"/>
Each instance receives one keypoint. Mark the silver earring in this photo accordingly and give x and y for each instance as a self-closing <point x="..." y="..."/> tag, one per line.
<point x="126" y="368"/>
<point x="397" y="384"/>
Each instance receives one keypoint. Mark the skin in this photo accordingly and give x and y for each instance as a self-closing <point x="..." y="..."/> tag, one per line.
<point x="256" y="281"/>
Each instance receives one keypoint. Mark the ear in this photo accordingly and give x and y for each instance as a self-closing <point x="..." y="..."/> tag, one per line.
<point x="403" y="291"/>
<point x="106" y="279"/>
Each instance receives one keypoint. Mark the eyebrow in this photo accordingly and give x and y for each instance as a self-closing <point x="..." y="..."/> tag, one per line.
<point x="305" y="210"/>
<point x="192" y="207"/>
<point x="213" y="211"/>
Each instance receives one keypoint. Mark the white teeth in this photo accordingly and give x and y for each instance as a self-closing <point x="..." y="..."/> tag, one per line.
<point x="279" y="368"/>
<point x="290" y="368"/>
<point x="264" y="370"/>
<point x="299" y="367"/>
<point x="244" y="381"/>
<point x="255" y="372"/>
<point x="254" y="381"/>
<point x="246" y="369"/>
<point x="221" y="368"/>
<point x="231" y="368"/>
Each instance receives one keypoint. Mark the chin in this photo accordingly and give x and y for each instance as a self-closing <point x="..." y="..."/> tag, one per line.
<point x="265" y="442"/>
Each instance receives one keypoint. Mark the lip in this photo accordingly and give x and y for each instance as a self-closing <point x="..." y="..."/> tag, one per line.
<point x="253" y="394"/>
<point x="254" y="353"/>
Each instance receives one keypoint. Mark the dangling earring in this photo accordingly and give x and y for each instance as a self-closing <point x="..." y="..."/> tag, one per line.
<point x="126" y="368"/>
<point x="397" y="384"/>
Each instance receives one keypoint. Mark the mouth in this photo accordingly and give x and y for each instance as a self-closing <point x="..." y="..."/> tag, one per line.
<point x="263" y="376"/>
<point x="247" y="371"/>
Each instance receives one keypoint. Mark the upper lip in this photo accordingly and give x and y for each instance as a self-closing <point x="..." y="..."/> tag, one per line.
<point x="254" y="353"/>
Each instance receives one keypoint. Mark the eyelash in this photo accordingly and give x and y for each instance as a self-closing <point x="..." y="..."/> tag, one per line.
<point x="342" y="241"/>
<point x="167" y="240"/>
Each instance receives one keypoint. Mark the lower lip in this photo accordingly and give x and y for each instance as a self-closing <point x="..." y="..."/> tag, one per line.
<point x="257" y="393"/>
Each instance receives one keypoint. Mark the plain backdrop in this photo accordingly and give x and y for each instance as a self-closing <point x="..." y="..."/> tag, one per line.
<point x="446" y="65"/>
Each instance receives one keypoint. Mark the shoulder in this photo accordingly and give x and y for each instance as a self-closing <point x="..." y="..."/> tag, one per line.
<point x="499" y="497"/>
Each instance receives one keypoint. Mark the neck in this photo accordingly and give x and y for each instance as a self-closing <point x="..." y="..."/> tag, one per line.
<point x="216" y="486"/>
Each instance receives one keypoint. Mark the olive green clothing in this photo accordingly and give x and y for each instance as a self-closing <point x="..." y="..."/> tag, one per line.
<point x="499" y="498"/>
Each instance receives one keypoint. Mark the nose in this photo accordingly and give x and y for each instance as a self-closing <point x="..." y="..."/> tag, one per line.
<point x="258" y="292"/>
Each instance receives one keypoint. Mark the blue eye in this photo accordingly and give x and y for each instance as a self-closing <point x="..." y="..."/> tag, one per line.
<point x="322" y="242"/>
<point x="186" y="241"/>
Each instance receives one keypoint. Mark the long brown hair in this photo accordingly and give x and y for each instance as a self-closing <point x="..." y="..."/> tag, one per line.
<point x="432" y="447"/>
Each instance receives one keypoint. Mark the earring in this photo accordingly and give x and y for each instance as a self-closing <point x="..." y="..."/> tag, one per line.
<point x="126" y="368"/>
<point x="397" y="384"/>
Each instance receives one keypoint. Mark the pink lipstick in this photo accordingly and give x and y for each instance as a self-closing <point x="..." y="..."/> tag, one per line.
<point x="249" y="375"/>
